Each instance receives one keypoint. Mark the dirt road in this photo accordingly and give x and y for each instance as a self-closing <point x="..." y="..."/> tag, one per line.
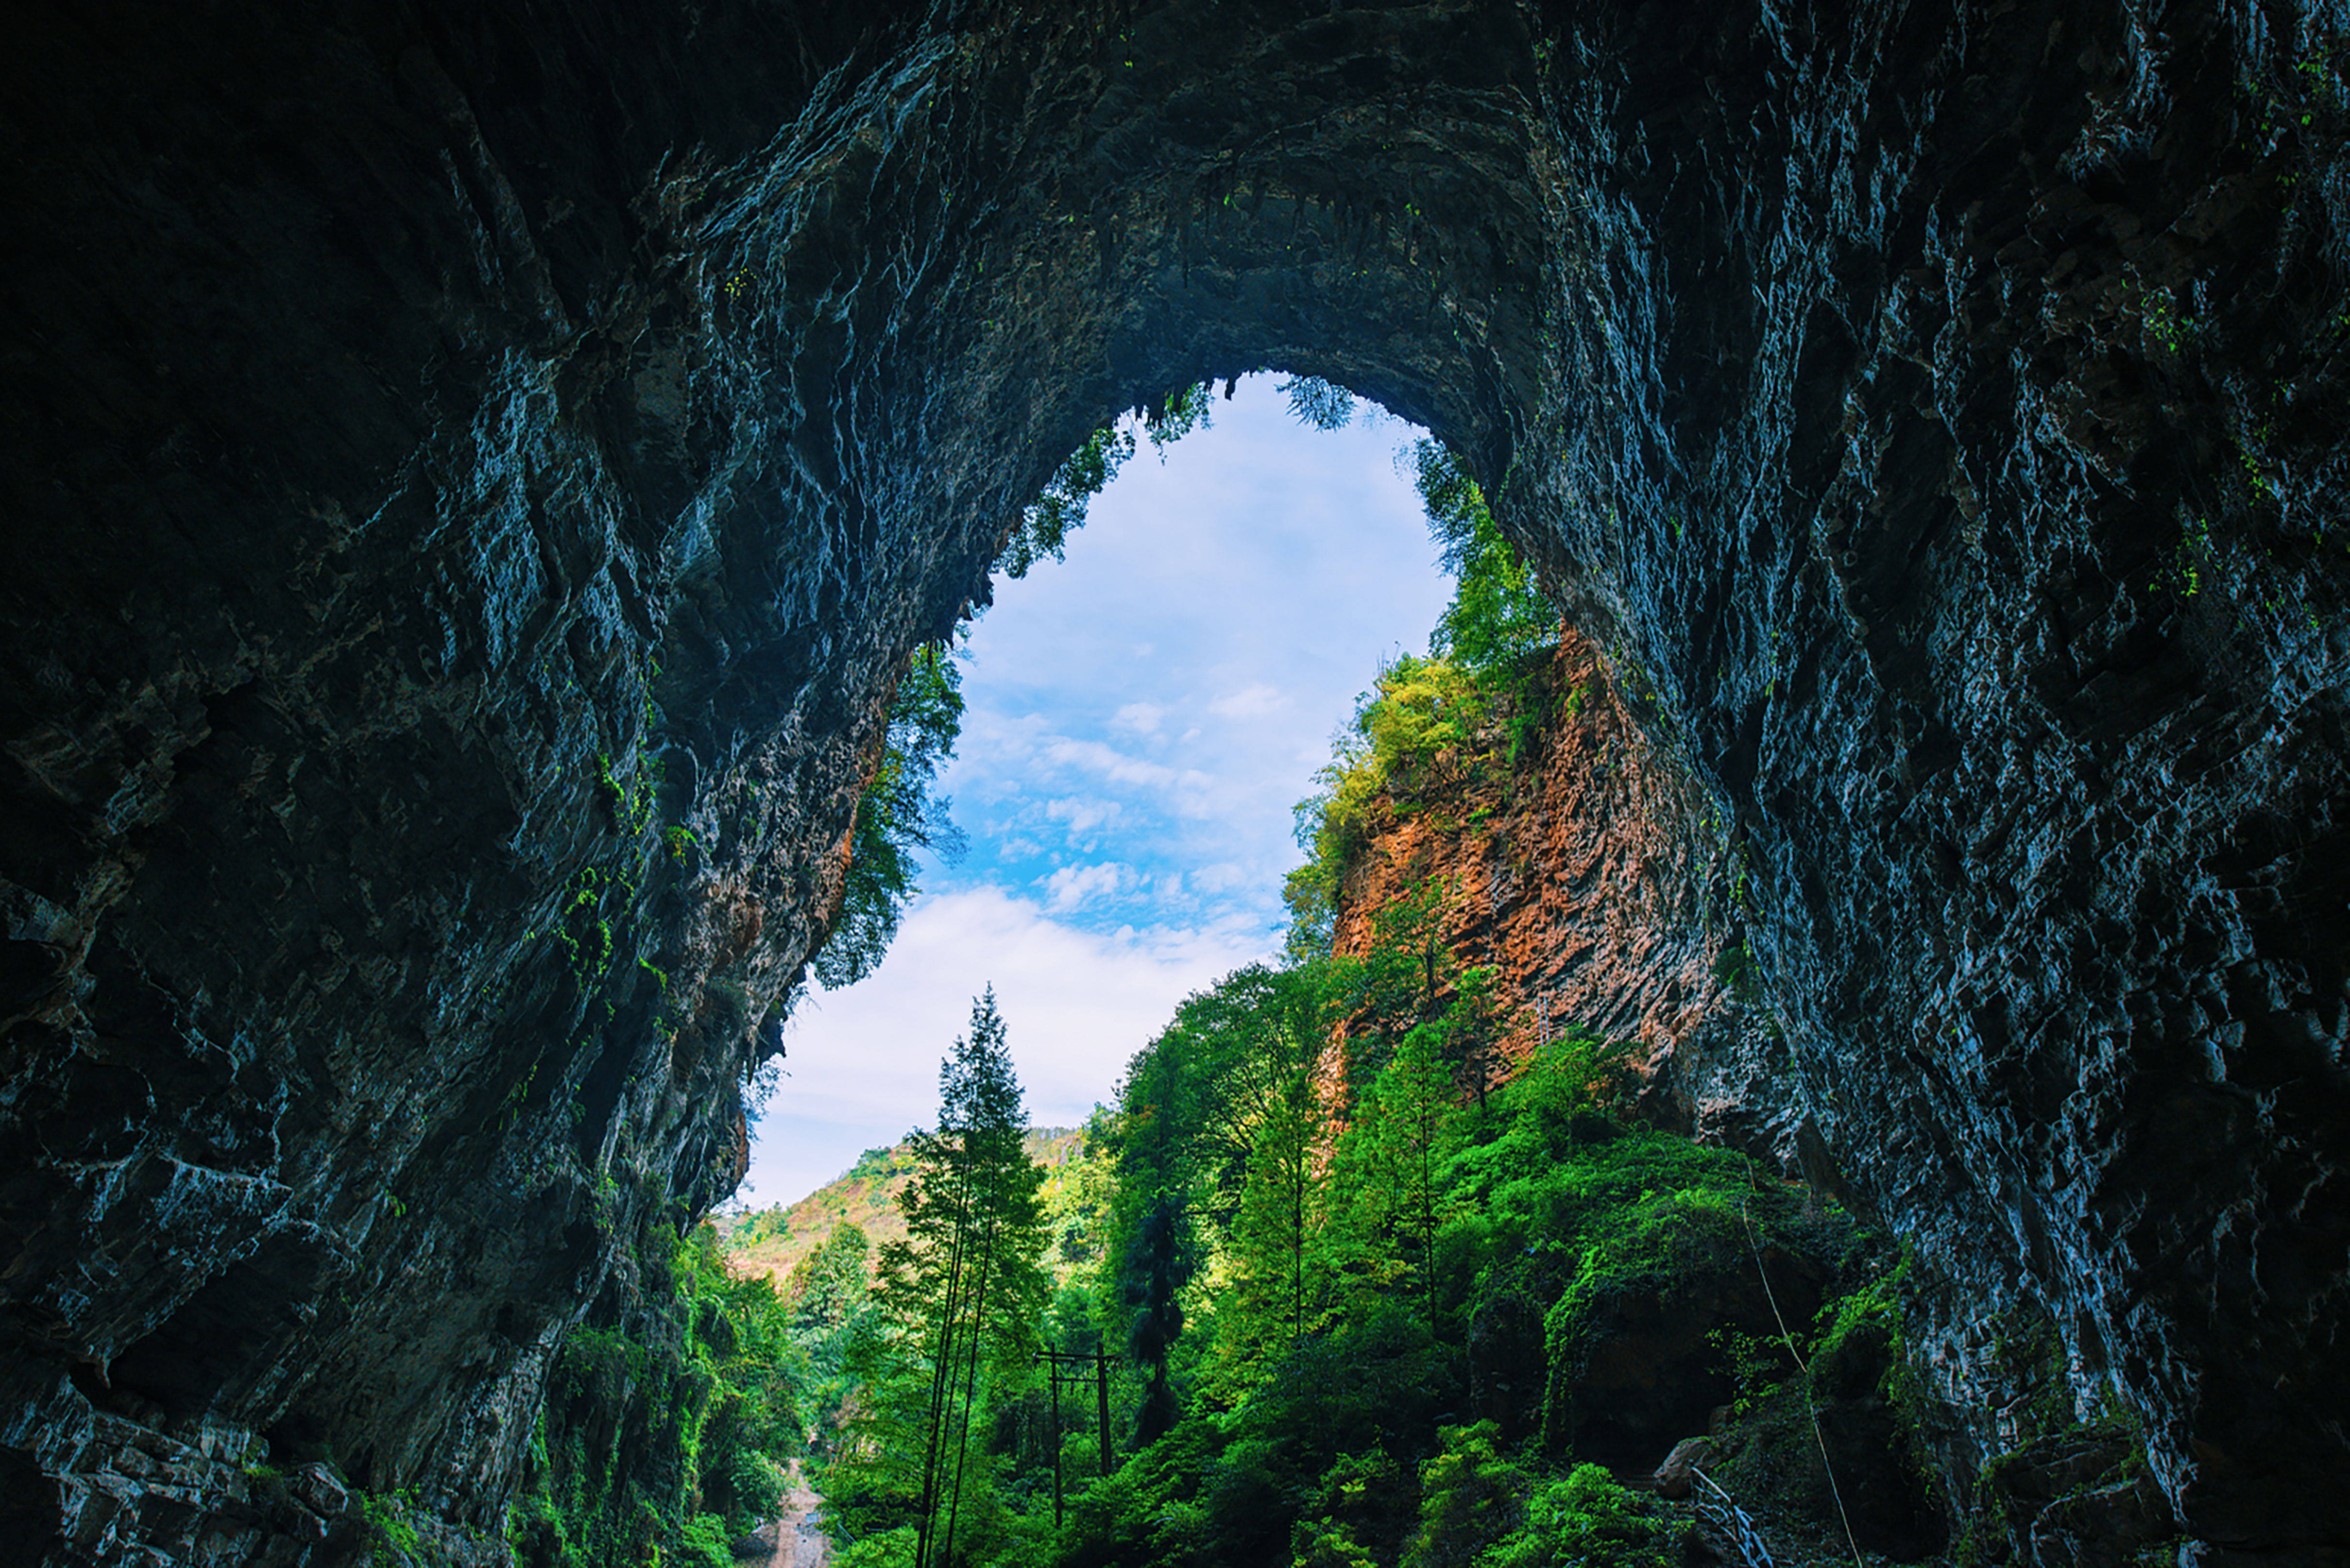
<point x="800" y="1540"/>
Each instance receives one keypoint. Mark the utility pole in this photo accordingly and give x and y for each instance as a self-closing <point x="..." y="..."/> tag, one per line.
<point x="1070" y="1365"/>
<point x="1075" y="1361"/>
<point x="1053" y="1372"/>
<point x="1101" y="1398"/>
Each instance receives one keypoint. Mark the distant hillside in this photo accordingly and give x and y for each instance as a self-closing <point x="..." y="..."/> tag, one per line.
<point x="771" y="1240"/>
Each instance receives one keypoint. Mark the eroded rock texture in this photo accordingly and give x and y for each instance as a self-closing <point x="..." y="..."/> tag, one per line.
<point x="450" y="446"/>
<point x="1584" y="870"/>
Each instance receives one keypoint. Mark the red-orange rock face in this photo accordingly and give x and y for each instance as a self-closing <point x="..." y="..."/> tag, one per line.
<point x="1589" y="875"/>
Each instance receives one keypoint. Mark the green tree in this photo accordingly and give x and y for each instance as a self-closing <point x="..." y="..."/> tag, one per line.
<point x="1416" y="1105"/>
<point x="964" y="1289"/>
<point x="1160" y="1262"/>
<point x="1497" y="615"/>
<point x="1475" y="1025"/>
<point x="829" y="1283"/>
<point x="896" y="817"/>
<point x="1470" y="1499"/>
<point x="1410" y="954"/>
<point x="1176" y="1159"/>
<point x="1272" y="1099"/>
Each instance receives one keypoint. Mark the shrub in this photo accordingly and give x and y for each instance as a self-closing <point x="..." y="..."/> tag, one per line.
<point x="886" y="1549"/>
<point x="1588" y="1518"/>
<point x="1469" y="1499"/>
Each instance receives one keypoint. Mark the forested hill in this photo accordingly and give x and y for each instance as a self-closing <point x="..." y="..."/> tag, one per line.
<point x="770" y="1241"/>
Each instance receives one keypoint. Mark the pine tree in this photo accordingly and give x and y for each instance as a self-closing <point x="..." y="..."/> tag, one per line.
<point x="1160" y="1262"/>
<point x="965" y="1287"/>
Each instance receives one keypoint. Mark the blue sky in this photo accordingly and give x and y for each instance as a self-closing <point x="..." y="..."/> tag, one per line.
<point x="1141" y="720"/>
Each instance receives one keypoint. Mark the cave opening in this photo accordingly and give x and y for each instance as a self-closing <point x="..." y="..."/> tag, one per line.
<point x="1141" y="720"/>
<point x="474" y="481"/>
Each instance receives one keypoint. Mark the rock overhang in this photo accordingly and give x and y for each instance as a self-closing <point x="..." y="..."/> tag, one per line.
<point x="422" y="426"/>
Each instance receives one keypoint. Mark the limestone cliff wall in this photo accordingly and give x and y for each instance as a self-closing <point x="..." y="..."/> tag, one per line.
<point x="1596" y="882"/>
<point x="448" y="447"/>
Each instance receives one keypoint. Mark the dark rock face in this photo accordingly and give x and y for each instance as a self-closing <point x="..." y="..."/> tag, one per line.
<point x="2074" y="1499"/>
<point x="1655" y="1373"/>
<point x="1880" y="1493"/>
<point x="448" y="448"/>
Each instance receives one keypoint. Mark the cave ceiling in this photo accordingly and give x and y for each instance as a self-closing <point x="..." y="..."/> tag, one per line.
<point x="450" y="446"/>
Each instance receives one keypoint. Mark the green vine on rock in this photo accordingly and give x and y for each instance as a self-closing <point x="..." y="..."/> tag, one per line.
<point x="583" y="931"/>
<point x="632" y="805"/>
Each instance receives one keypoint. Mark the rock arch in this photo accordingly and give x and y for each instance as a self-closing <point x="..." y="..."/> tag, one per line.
<point x="448" y="446"/>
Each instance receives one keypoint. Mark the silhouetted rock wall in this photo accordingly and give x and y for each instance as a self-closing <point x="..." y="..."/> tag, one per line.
<point x="449" y="447"/>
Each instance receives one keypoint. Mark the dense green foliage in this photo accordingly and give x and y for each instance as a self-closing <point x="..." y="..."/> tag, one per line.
<point x="1045" y="524"/>
<point x="895" y="816"/>
<point x="1322" y="1346"/>
<point x="663" y="1435"/>
<point x="1291" y="1283"/>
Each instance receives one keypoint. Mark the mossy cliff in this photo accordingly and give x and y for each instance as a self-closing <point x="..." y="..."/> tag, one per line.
<point x="449" y="447"/>
<point x="1506" y="851"/>
<point x="1557" y="848"/>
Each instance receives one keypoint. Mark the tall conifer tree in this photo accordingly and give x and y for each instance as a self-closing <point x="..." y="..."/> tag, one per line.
<point x="966" y="1286"/>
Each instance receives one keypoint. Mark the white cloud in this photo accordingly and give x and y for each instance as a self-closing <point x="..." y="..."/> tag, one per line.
<point x="1096" y="757"/>
<point x="1073" y="885"/>
<point x="1255" y="700"/>
<point x="1222" y="878"/>
<point x="1081" y="813"/>
<point x="1114" y="766"/>
<point x="863" y="1063"/>
<point x="1139" y="718"/>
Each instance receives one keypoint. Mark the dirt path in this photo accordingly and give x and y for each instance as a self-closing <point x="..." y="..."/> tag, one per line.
<point x="800" y="1540"/>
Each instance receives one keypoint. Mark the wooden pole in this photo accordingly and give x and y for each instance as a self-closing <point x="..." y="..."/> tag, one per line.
<point x="1052" y="1370"/>
<point x="1101" y="1401"/>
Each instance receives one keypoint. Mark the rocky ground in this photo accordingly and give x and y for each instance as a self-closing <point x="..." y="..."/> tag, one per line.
<point x="796" y="1539"/>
